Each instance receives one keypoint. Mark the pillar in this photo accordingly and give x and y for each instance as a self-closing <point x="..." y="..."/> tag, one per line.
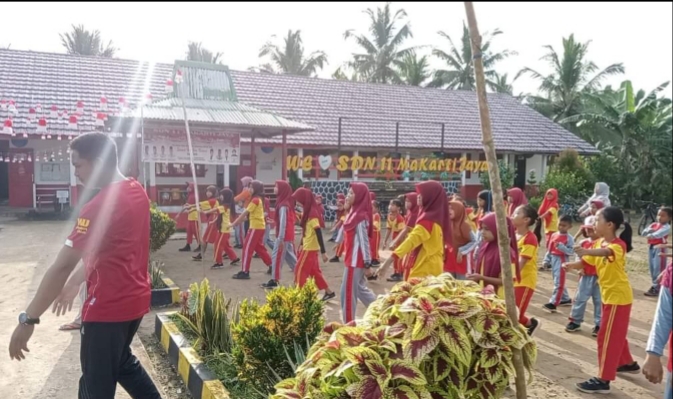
<point x="356" y="153"/>
<point x="73" y="185"/>
<point x="227" y="177"/>
<point x="284" y="157"/>
<point x="543" y="170"/>
<point x="152" y="190"/>
<point x="406" y="171"/>
<point x="463" y="179"/>
<point x="300" y="171"/>
<point x="253" y="160"/>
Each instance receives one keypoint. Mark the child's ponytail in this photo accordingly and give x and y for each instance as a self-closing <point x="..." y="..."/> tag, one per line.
<point x="538" y="229"/>
<point x="627" y="237"/>
<point x="614" y="215"/>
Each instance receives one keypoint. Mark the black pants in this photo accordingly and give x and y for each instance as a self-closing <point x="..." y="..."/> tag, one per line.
<point x="106" y="360"/>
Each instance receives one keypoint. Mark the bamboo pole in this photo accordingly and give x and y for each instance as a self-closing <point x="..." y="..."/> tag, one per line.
<point x="496" y="187"/>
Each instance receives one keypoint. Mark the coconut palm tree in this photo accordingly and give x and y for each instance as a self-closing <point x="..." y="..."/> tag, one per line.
<point x="501" y="85"/>
<point x="346" y="73"/>
<point x="196" y="52"/>
<point x="83" y="42"/>
<point x="413" y="70"/>
<point x="460" y="75"/>
<point x="382" y="50"/>
<point x="289" y="57"/>
<point x="573" y="75"/>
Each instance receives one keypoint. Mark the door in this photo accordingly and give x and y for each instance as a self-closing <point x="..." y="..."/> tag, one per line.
<point x="21" y="177"/>
<point x="520" y="167"/>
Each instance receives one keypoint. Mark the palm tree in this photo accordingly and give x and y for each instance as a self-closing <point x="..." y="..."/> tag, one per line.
<point x="83" y="42"/>
<point x="501" y="85"/>
<point x="196" y="52"/>
<point x="572" y="76"/>
<point x="379" y="54"/>
<point x="460" y="76"/>
<point x="289" y="58"/>
<point x="347" y="73"/>
<point x="413" y="71"/>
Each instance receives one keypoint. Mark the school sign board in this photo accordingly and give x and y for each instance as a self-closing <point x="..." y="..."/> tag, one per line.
<point x="386" y="164"/>
<point x="210" y="148"/>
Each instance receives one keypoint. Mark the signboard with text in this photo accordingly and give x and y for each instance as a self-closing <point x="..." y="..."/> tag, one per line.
<point x="171" y="146"/>
<point x="386" y="164"/>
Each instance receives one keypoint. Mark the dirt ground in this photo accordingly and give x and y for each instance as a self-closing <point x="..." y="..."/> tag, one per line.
<point x="52" y="369"/>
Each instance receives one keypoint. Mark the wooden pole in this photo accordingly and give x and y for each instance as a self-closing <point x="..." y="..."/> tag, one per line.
<point x="496" y="187"/>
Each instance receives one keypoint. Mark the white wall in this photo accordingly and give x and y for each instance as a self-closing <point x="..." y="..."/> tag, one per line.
<point x="535" y="163"/>
<point x="269" y="166"/>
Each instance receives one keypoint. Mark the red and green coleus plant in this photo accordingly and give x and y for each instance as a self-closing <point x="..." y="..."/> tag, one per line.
<point x="428" y="339"/>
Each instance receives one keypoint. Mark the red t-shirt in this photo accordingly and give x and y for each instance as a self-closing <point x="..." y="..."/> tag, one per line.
<point x="113" y="234"/>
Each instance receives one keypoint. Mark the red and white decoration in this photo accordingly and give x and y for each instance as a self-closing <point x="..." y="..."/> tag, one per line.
<point x="53" y="111"/>
<point x="8" y="127"/>
<point x="12" y="107"/>
<point x="42" y="126"/>
<point x="80" y="107"/>
<point x="72" y="122"/>
<point x="103" y="103"/>
<point x="38" y="108"/>
<point x="169" y="86"/>
<point x="32" y="114"/>
<point x="178" y="76"/>
<point x="3" y="104"/>
<point x="100" y="119"/>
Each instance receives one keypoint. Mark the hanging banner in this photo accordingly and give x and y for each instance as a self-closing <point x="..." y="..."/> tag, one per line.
<point x="386" y="164"/>
<point x="211" y="148"/>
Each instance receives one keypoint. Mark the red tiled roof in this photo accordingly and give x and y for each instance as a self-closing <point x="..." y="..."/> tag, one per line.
<point x="369" y="112"/>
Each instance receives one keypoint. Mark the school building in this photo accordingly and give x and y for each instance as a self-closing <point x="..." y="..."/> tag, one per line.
<point x="326" y="132"/>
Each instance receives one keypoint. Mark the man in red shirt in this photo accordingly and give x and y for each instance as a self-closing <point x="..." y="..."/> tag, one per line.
<point x="111" y="236"/>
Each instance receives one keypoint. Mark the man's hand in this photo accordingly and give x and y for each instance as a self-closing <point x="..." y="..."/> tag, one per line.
<point x="324" y="258"/>
<point x="474" y="277"/>
<point x="652" y="369"/>
<point x="19" y="342"/>
<point x="63" y="302"/>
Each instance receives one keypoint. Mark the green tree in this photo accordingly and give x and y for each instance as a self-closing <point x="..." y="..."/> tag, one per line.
<point x="635" y="132"/>
<point x="196" y="52"/>
<point x="381" y="52"/>
<point x="289" y="58"/>
<point x="502" y="85"/>
<point x="83" y="42"/>
<point x="572" y="76"/>
<point x="413" y="70"/>
<point x="347" y="73"/>
<point x="460" y="75"/>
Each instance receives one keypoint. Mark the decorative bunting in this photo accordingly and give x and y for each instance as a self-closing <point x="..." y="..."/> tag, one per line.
<point x="12" y="107"/>
<point x="3" y="104"/>
<point x="53" y="112"/>
<point x="178" y="76"/>
<point x="42" y="125"/>
<point x="8" y="127"/>
<point x="169" y="86"/>
<point x="103" y="103"/>
<point x="72" y="122"/>
<point x="80" y="107"/>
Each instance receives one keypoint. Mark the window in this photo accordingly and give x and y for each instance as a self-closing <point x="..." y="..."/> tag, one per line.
<point x="179" y="170"/>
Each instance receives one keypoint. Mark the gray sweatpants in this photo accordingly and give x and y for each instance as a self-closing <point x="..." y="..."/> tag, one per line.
<point x="354" y="288"/>
<point x="282" y="251"/>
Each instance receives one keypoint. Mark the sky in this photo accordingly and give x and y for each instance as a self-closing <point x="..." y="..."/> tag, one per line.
<point x="637" y="34"/>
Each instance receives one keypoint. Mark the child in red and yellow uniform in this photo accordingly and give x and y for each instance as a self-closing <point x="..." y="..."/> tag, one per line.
<point x="523" y="219"/>
<point x="209" y="208"/>
<point x="515" y="198"/>
<point x="254" y="240"/>
<point x="484" y="204"/>
<point x="432" y="233"/>
<point x="338" y="228"/>
<point x="225" y="209"/>
<point x="192" y="220"/>
<point x="410" y="218"/>
<point x="244" y="198"/>
<point x="617" y="295"/>
<point x="308" y="264"/>
<point x="548" y="212"/>
<point x="376" y="234"/>
<point x="488" y="256"/>
<point x="457" y="259"/>
<point x="394" y="227"/>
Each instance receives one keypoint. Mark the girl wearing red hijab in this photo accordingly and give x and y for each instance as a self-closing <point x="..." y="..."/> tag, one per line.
<point x="515" y="198"/>
<point x="308" y="265"/>
<point x="283" y="247"/>
<point x="339" y="228"/>
<point x="226" y="209"/>
<point x="488" y="255"/>
<point x="254" y="240"/>
<point x="192" y="220"/>
<point x="358" y="229"/>
<point x="548" y="212"/>
<point x="411" y="215"/>
<point x="339" y="212"/>
<point x="375" y="241"/>
<point x="464" y="240"/>
<point x="321" y="210"/>
<point x="209" y="208"/>
<point x="430" y="235"/>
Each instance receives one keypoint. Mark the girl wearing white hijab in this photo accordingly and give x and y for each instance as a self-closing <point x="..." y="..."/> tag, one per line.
<point x="601" y="193"/>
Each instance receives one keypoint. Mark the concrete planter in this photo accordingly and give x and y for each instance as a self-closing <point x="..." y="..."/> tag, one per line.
<point x="166" y="296"/>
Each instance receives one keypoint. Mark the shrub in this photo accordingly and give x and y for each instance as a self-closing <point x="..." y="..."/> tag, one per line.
<point x="290" y="316"/>
<point x="162" y="228"/>
<point x="429" y="338"/>
<point x="568" y="184"/>
<point x="208" y="315"/>
<point x="156" y="271"/>
<point x="535" y="202"/>
<point x="506" y="176"/>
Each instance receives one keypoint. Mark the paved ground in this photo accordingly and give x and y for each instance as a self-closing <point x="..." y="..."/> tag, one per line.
<point x="52" y="369"/>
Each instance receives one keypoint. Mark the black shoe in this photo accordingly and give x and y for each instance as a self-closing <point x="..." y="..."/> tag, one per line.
<point x="549" y="308"/>
<point x="595" y="331"/>
<point x="593" y="385"/>
<point x="269" y="270"/>
<point x="217" y="266"/>
<point x="573" y="327"/>
<point x="271" y="284"/>
<point x="186" y="248"/>
<point x="632" y="368"/>
<point x="375" y="263"/>
<point x="545" y="267"/>
<point x="331" y="240"/>
<point x="652" y="292"/>
<point x="235" y="262"/>
<point x="198" y="249"/>
<point x="197" y="258"/>
<point x="534" y="325"/>
<point x="329" y="296"/>
<point x="569" y="302"/>
<point x="373" y="278"/>
<point x="255" y="256"/>
<point x="241" y="276"/>
<point x="334" y="260"/>
<point x="238" y="246"/>
<point x="395" y="278"/>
